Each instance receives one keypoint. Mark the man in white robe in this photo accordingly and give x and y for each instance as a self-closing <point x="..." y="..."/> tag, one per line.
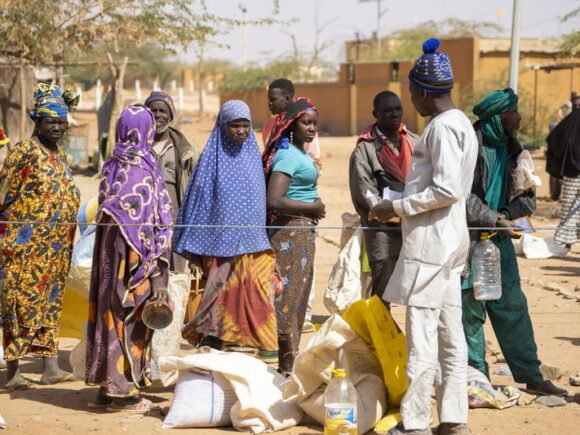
<point x="435" y="247"/>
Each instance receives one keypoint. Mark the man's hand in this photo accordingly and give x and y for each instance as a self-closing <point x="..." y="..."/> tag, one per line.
<point x="512" y="232"/>
<point x="383" y="211"/>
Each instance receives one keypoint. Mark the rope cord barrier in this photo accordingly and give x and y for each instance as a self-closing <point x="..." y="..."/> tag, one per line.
<point x="225" y="226"/>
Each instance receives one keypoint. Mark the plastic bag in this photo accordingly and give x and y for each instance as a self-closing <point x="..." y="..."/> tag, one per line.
<point x="523" y="177"/>
<point x="77" y="359"/>
<point x="481" y="393"/>
<point x="371" y="320"/>
<point x="535" y="248"/>
<point x="75" y="306"/>
<point x="344" y="284"/>
<point x="167" y="341"/>
<point x="388" y="422"/>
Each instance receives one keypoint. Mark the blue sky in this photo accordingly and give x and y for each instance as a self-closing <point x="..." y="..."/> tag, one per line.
<point x="350" y="16"/>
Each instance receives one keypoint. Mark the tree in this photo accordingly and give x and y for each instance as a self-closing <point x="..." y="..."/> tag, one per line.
<point x="571" y="42"/>
<point x="257" y="77"/>
<point x="407" y="43"/>
<point x="150" y="62"/>
<point x="52" y="33"/>
<point x="313" y="58"/>
<point x="528" y="135"/>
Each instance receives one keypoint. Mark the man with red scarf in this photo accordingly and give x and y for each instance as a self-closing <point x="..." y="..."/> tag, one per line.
<point x="380" y="160"/>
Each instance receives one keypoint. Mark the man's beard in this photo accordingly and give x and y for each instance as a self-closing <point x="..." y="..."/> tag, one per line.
<point x="161" y="130"/>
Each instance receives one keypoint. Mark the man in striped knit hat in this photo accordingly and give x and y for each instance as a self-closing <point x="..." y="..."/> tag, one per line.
<point x="435" y="245"/>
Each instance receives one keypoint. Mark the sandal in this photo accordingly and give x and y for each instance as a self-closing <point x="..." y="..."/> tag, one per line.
<point x="21" y="386"/>
<point x="103" y="401"/>
<point x="142" y="406"/>
<point x="69" y="377"/>
<point x="545" y="388"/>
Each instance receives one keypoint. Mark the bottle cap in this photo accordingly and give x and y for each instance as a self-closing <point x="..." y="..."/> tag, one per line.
<point x="486" y="235"/>
<point x="338" y="373"/>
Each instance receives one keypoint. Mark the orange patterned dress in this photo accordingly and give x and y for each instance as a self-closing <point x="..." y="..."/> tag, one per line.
<point x="36" y="185"/>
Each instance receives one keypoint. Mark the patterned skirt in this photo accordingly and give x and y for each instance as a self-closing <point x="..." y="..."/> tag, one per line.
<point x="295" y="249"/>
<point x="236" y="311"/>
<point x="118" y="341"/>
<point x="568" y="231"/>
<point x="31" y="295"/>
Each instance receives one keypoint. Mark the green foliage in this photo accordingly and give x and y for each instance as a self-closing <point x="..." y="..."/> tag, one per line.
<point x="407" y="43"/>
<point x="256" y="77"/>
<point x="474" y="92"/>
<point x="571" y="42"/>
<point x="149" y="62"/>
<point x="44" y="32"/>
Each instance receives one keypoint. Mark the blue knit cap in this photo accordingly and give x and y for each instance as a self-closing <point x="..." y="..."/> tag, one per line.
<point x="432" y="71"/>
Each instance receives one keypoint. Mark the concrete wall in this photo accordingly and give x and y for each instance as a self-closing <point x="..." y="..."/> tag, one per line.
<point x="345" y="106"/>
<point x="541" y="93"/>
<point x="331" y="99"/>
<point x="333" y="103"/>
<point x="462" y="54"/>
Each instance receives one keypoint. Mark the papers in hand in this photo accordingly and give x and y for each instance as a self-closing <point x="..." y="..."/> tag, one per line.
<point x="388" y="194"/>
<point x="391" y="195"/>
<point x="524" y="224"/>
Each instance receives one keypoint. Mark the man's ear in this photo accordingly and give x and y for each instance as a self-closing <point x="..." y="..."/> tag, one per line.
<point x="375" y="114"/>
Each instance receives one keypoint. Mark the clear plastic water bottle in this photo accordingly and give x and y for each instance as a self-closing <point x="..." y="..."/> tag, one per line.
<point x="340" y="405"/>
<point x="486" y="266"/>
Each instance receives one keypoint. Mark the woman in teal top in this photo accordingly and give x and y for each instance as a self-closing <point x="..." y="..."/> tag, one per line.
<point x="292" y="202"/>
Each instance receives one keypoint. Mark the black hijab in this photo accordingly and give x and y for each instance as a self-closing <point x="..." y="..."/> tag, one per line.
<point x="563" y="157"/>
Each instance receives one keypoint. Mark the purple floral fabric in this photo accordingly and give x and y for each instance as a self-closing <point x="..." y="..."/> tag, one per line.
<point x="133" y="194"/>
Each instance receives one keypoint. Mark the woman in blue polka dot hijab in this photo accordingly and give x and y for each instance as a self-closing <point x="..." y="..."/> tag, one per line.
<point x="225" y="210"/>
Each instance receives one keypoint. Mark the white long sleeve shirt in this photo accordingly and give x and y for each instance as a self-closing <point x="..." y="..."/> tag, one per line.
<point x="432" y="211"/>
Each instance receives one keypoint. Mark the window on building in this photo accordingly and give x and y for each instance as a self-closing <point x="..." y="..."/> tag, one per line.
<point x="395" y="71"/>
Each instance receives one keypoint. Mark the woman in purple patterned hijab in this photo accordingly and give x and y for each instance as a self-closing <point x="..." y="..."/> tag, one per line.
<point x="132" y="191"/>
<point x="130" y="264"/>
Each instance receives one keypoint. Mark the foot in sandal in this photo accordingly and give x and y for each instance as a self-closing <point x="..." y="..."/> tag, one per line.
<point x="102" y="400"/>
<point x="137" y="405"/>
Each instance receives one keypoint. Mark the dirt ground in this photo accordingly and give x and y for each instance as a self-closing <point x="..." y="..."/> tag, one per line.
<point x="62" y="408"/>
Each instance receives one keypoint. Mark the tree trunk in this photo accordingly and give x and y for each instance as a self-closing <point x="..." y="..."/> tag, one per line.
<point x="118" y="73"/>
<point x="200" y="76"/>
<point x="22" y="98"/>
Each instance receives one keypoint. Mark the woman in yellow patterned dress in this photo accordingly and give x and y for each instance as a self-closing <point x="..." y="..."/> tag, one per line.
<point x="38" y="202"/>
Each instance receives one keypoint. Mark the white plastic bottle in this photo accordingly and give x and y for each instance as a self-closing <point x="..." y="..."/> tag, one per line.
<point x="486" y="266"/>
<point x="340" y="405"/>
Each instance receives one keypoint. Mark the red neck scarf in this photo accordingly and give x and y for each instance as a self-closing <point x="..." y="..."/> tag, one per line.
<point x="396" y="165"/>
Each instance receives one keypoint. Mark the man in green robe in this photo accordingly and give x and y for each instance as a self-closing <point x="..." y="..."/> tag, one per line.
<point x="490" y="206"/>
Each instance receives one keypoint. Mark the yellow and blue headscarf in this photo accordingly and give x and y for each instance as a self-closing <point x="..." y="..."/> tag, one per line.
<point x="51" y="100"/>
